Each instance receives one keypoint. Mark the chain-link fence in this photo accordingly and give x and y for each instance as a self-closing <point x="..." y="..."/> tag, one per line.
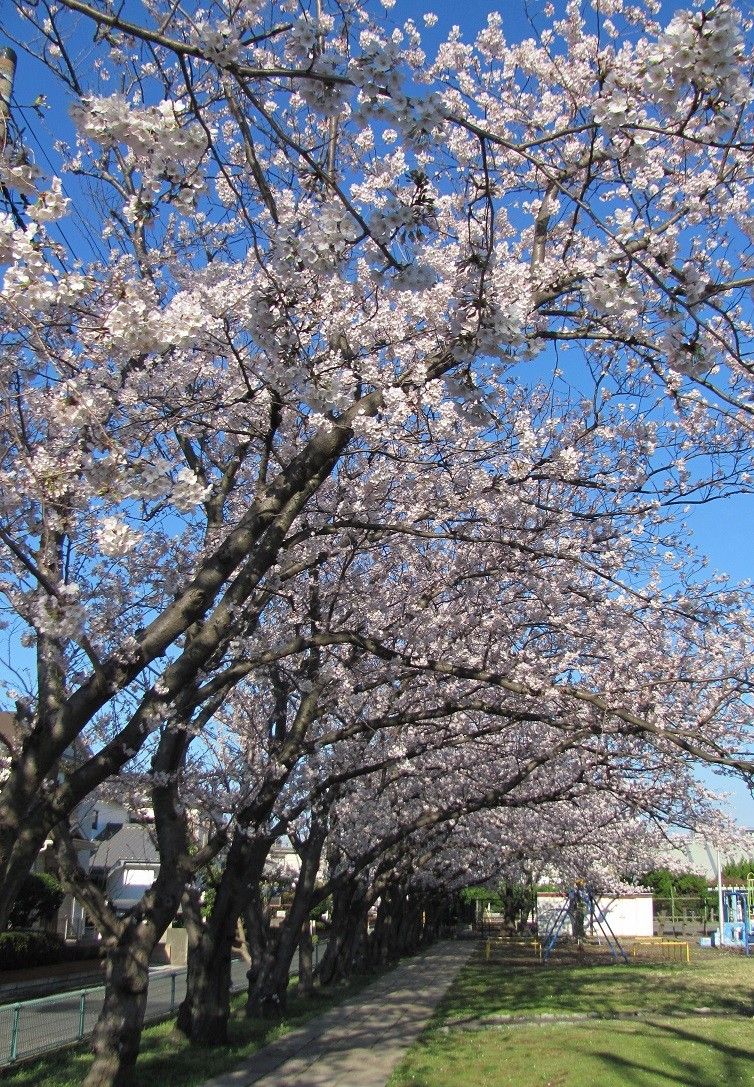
<point x="683" y="915"/>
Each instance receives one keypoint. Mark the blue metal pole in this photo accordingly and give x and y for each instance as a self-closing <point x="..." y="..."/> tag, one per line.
<point x="746" y="917"/>
<point x="82" y="1013"/>
<point x="172" y="991"/>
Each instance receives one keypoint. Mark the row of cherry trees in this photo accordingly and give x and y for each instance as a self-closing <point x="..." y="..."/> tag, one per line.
<point x="351" y="387"/>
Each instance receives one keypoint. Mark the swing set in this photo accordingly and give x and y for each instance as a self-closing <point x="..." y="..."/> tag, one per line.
<point x="580" y="906"/>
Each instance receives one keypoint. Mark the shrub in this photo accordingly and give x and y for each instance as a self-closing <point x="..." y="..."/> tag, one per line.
<point x="739" y="870"/>
<point x="23" y="948"/>
<point x="38" y="899"/>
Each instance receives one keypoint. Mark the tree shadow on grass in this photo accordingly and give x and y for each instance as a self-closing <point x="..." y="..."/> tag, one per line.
<point x="660" y="1064"/>
<point x="519" y="985"/>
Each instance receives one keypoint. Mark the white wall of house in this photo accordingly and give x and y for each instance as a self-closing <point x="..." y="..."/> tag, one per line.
<point x="283" y="862"/>
<point x="694" y="853"/>
<point x="627" y="915"/>
<point x="127" y="883"/>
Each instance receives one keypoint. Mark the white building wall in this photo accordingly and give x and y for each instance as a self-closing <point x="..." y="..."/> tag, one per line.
<point x="627" y="915"/>
<point x="130" y="883"/>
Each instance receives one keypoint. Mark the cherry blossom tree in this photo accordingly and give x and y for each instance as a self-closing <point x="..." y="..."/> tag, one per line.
<point x="315" y="234"/>
<point x="409" y="701"/>
<point x="447" y="335"/>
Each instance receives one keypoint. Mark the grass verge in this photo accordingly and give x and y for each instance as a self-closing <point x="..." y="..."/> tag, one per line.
<point x="650" y="1025"/>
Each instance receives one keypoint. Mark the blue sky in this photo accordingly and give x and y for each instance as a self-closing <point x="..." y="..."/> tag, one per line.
<point x="724" y="531"/>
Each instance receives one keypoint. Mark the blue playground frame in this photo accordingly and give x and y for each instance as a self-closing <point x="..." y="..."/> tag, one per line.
<point x="582" y="898"/>
<point x="738" y="930"/>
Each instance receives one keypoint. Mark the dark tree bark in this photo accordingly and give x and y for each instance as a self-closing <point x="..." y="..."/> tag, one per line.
<point x="131" y="940"/>
<point x="268" y="996"/>
<point x="203" y="1015"/>
<point x="117" y="1034"/>
<point x="305" y="985"/>
<point x="258" y="934"/>
<point x="29" y="811"/>
<point x="347" y="934"/>
<point x="383" y="940"/>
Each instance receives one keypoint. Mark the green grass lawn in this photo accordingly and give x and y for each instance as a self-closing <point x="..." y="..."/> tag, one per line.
<point x="166" y="1058"/>
<point x="664" y="1024"/>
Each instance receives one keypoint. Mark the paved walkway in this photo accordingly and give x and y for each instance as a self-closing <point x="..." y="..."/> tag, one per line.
<point x="358" y="1043"/>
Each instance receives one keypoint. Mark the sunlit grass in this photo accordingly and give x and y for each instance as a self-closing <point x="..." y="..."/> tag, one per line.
<point x="667" y="1053"/>
<point x="658" y="1024"/>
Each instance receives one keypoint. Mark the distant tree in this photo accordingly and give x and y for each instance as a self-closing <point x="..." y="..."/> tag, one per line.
<point x="739" y="870"/>
<point x="667" y="884"/>
<point x="488" y="896"/>
<point x="518" y="899"/>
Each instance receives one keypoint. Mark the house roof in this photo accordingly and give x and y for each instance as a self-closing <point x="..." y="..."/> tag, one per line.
<point x="132" y="843"/>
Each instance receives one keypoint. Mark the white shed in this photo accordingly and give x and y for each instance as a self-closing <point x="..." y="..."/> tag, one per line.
<point x="627" y="915"/>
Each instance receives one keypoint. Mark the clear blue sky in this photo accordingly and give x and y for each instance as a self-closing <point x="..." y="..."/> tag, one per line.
<point x="725" y="532"/>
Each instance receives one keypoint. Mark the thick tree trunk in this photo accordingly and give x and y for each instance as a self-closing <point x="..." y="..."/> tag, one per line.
<point x="203" y="1016"/>
<point x="194" y="926"/>
<point x="130" y="942"/>
<point x="117" y="1034"/>
<point x="262" y="968"/>
<point x="19" y="848"/>
<point x="257" y="930"/>
<point x="408" y="934"/>
<point x="347" y="932"/>
<point x="305" y="985"/>
<point x="381" y="942"/>
<point x="268" y="996"/>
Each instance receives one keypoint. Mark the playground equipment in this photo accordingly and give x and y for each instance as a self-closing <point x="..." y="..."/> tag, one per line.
<point x="581" y="908"/>
<point x="656" y="948"/>
<point x="738" y="924"/>
<point x="504" y="943"/>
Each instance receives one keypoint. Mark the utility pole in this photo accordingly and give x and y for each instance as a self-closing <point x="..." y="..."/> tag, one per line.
<point x="7" y="75"/>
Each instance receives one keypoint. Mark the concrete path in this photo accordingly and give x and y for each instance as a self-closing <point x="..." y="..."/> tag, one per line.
<point x="358" y="1043"/>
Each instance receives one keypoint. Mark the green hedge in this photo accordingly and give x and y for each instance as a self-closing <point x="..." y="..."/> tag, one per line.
<point x="23" y="948"/>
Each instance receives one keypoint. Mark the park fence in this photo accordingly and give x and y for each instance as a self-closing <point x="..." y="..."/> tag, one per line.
<point x="31" y="1027"/>
<point x="683" y="916"/>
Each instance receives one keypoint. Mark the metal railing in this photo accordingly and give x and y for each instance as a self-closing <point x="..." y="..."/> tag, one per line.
<point x="31" y="1027"/>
